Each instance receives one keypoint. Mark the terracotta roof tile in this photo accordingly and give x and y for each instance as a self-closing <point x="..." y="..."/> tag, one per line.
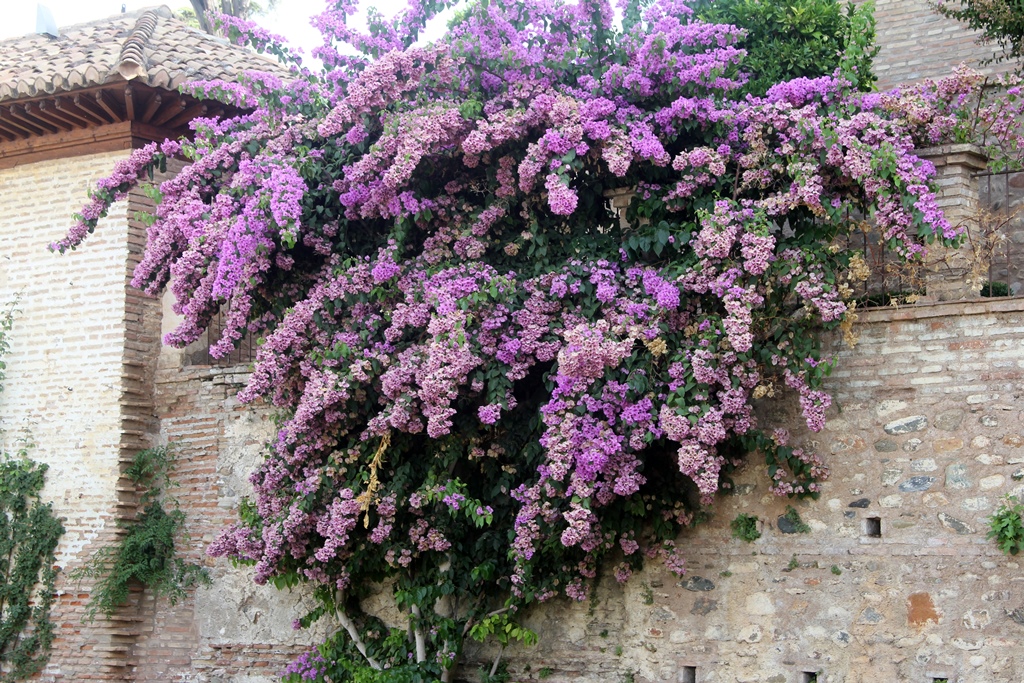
<point x="149" y="46"/>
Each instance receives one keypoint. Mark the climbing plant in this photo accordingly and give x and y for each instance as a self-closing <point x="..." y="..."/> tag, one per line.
<point x="494" y="388"/>
<point x="29" y="534"/>
<point x="145" y="554"/>
<point x="1006" y="526"/>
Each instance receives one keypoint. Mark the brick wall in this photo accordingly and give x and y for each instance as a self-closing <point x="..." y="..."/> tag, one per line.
<point x="70" y="382"/>
<point x="916" y="43"/>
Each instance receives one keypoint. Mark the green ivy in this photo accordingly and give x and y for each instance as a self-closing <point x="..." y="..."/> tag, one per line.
<point x="6" y="323"/>
<point x="744" y="527"/>
<point x="145" y="554"/>
<point x="29" y="534"/>
<point x="1006" y="526"/>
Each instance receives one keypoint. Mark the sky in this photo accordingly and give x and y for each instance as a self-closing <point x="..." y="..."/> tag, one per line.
<point x="290" y="19"/>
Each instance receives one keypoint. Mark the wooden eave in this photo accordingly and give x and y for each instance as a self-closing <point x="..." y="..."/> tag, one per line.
<point x="106" y="118"/>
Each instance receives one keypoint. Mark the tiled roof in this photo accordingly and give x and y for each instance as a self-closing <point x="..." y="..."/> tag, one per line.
<point x="148" y="46"/>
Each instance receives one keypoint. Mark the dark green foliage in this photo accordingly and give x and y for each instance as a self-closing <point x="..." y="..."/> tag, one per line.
<point x="995" y="289"/>
<point x="1000" y="22"/>
<point x="144" y="555"/>
<point x="744" y="527"/>
<point x="1006" y="526"/>
<point x="6" y="322"/>
<point x="790" y="39"/>
<point x="794" y="518"/>
<point x="29" y="533"/>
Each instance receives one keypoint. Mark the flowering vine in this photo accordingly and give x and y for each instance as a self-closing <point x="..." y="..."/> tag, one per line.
<point x="494" y="386"/>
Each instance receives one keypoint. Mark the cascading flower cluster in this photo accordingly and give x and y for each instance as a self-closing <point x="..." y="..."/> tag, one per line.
<point x="493" y="385"/>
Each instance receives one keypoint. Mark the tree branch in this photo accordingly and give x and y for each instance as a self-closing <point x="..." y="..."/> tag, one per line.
<point x="353" y="633"/>
<point x="497" y="660"/>
<point x="421" y="642"/>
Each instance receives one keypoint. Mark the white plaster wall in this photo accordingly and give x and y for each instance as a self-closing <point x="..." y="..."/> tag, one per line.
<point x="63" y="382"/>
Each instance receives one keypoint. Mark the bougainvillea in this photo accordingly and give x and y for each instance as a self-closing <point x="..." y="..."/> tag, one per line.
<point x="493" y="386"/>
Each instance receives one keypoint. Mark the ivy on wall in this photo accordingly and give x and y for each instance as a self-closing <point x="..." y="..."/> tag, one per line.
<point x="29" y="534"/>
<point x="145" y="555"/>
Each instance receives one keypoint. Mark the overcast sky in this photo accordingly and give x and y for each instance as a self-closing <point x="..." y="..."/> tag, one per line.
<point x="290" y="19"/>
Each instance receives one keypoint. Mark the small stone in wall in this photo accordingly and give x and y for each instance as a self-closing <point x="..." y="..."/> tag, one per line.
<point x="912" y="445"/>
<point x="906" y="425"/>
<point x="861" y="503"/>
<point x="1017" y="615"/>
<point x="1015" y="460"/>
<point x="977" y="619"/>
<point x="698" y="584"/>
<point x="1014" y="440"/>
<point x="956" y="476"/>
<point x="968" y="645"/>
<point x="924" y="465"/>
<point x="760" y="604"/>
<point x="949" y="420"/>
<point x="976" y="399"/>
<point x="934" y="500"/>
<point x="890" y="476"/>
<point x="976" y="504"/>
<point x="947" y="445"/>
<point x="1018" y="475"/>
<point x="954" y="524"/>
<point x="870" y="616"/>
<point x="886" y="446"/>
<point x="888" y="407"/>
<point x="704" y="606"/>
<point x="749" y="634"/>
<point x="989" y="421"/>
<point x="992" y="482"/>
<point x="989" y="459"/>
<point x="981" y="442"/>
<point x="917" y="484"/>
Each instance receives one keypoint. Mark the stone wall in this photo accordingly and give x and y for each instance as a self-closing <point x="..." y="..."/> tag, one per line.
<point x="926" y="436"/>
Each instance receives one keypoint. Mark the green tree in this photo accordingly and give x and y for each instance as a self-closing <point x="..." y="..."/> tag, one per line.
<point x="789" y="39"/>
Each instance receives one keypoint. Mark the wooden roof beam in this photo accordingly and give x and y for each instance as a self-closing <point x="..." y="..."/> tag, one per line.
<point x="129" y="103"/>
<point x="64" y="106"/>
<point x="154" y="104"/>
<point x="36" y="111"/>
<point x="102" y="98"/>
<point x="170" y="111"/>
<point x="90" y="108"/>
<point x="12" y="120"/>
